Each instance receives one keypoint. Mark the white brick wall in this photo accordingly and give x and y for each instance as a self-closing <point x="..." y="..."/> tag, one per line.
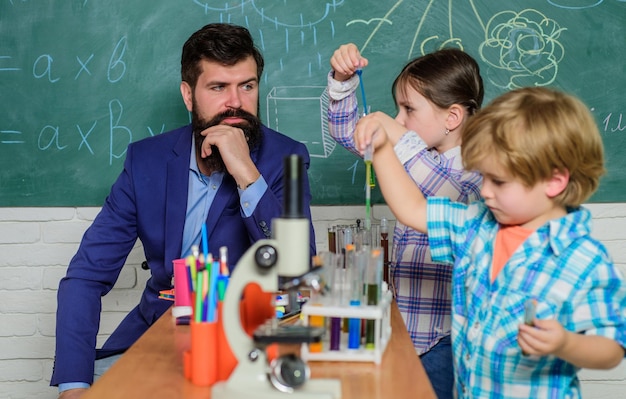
<point x="36" y="245"/>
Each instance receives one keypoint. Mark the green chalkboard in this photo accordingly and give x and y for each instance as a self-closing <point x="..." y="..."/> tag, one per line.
<point x="81" y="79"/>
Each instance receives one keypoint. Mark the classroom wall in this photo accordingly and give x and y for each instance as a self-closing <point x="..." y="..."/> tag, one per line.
<point x="37" y="243"/>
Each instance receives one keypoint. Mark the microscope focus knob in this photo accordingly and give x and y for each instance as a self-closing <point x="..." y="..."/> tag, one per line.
<point x="266" y="257"/>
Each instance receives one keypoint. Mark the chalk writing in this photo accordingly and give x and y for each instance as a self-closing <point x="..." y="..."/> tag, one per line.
<point x="83" y="137"/>
<point x="614" y="123"/>
<point x="276" y="13"/>
<point x="526" y="45"/>
<point x="117" y="66"/>
<point x="575" y="4"/>
<point x="151" y="132"/>
<point x="6" y="68"/>
<point x="115" y="115"/>
<point x="44" y="64"/>
<point x="280" y="116"/>
<point x="83" y="66"/>
<point x="52" y="137"/>
<point x="45" y="61"/>
<point x="7" y="137"/>
<point x="353" y="168"/>
<point x="48" y="136"/>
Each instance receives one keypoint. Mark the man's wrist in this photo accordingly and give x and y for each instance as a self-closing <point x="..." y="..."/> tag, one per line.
<point x="245" y="183"/>
<point x="72" y="385"/>
<point x="246" y="186"/>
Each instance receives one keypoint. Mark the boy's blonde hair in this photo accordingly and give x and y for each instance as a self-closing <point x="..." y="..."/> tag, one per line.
<point x="532" y="132"/>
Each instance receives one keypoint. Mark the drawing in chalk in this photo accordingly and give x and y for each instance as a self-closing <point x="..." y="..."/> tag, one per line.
<point x="524" y="44"/>
<point x="308" y="126"/>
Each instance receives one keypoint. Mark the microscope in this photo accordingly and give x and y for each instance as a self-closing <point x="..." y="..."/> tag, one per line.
<point x="283" y="258"/>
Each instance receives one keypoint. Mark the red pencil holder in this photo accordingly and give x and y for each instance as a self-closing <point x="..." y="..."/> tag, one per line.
<point x="210" y="358"/>
<point x="201" y="361"/>
<point x="227" y="360"/>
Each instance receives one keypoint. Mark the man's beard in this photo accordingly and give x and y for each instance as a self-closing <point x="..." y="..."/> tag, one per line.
<point x="251" y="127"/>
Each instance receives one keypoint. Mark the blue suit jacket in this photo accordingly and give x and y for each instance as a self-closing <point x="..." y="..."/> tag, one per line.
<point x="148" y="202"/>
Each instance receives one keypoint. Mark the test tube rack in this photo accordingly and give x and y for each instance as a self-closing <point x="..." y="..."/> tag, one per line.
<point x="379" y="313"/>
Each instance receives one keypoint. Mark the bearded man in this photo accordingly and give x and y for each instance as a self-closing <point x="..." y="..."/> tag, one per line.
<point x="224" y="170"/>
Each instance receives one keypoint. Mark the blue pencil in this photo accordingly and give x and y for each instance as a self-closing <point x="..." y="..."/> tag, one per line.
<point x="205" y="242"/>
<point x="213" y="290"/>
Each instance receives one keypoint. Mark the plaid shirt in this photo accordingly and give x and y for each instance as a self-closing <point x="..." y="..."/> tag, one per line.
<point x="422" y="288"/>
<point x="569" y="273"/>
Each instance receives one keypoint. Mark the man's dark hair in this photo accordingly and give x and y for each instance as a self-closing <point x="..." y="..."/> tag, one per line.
<point x="225" y="44"/>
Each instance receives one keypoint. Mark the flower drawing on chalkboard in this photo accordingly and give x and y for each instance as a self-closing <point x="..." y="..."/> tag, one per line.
<point x="526" y="44"/>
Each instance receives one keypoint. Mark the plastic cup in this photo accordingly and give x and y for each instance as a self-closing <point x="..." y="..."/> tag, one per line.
<point x="182" y="292"/>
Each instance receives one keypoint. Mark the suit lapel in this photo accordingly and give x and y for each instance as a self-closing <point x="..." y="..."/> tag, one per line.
<point x="177" y="185"/>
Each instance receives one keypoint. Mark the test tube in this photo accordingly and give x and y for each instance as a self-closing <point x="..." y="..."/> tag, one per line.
<point x="332" y="240"/>
<point x="356" y="267"/>
<point x="348" y="239"/>
<point x="384" y="243"/>
<point x="314" y="300"/>
<point x="340" y="245"/>
<point x="348" y="236"/>
<point x="336" y="267"/>
<point x="341" y="250"/>
<point x="359" y="238"/>
<point x="372" y="280"/>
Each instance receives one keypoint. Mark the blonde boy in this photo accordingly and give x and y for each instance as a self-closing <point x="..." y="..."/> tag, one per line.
<point x="540" y="154"/>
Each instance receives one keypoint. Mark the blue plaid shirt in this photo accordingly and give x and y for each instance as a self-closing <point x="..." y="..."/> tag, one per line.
<point x="421" y="287"/>
<point x="569" y="273"/>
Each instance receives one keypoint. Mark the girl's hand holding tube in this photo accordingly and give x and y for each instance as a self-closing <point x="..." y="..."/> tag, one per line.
<point x="346" y="60"/>
<point x="373" y="129"/>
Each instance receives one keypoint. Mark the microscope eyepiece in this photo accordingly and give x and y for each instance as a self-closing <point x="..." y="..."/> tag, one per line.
<point x="293" y="187"/>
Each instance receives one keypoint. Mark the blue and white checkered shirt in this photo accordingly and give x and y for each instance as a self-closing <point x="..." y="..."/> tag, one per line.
<point x="421" y="287"/>
<point x="560" y="265"/>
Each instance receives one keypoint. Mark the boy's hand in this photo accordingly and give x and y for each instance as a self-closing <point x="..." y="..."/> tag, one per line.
<point x="547" y="337"/>
<point x="346" y="60"/>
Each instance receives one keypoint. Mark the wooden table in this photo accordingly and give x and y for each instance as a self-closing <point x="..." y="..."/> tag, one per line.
<point x="152" y="368"/>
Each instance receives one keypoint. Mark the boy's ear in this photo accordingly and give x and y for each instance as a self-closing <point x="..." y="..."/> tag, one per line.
<point x="456" y="115"/>
<point x="557" y="183"/>
<point x="185" y="91"/>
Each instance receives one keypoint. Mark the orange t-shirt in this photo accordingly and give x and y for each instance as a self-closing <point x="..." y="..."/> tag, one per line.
<point x="508" y="239"/>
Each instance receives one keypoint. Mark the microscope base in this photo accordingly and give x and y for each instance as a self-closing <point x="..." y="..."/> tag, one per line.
<point x="316" y="388"/>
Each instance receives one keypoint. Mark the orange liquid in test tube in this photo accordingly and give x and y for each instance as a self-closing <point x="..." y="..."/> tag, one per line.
<point x="316" y="321"/>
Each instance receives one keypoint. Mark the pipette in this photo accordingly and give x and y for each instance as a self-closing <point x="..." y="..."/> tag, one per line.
<point x="360" y="73"/>
<point x="368" y="162"/>
<point x="368" y="187"/>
